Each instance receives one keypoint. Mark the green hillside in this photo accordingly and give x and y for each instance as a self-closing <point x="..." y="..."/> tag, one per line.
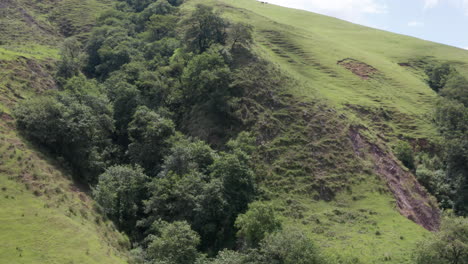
<point x="45" y="217"/>
<point x="325" y="101"/>
<point x="309" y="46"/>
<point x="376" y="80"/>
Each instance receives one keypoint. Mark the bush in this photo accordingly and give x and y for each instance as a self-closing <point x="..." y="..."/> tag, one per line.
<point x="448" y="246"/>
<point x="121" y="191"/>
<point x="256" y="223"/>
<point x="438" y="76"/>
<point x="404" y="153"/>
<point x="289" y="247"/>
<point x="175" y="243"/>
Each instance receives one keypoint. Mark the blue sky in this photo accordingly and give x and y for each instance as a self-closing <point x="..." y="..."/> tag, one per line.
<point x="443" y="21"/>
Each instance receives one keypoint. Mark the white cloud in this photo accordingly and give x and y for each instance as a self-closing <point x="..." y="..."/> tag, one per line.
<point x="463" y="4"/>
<point x="415" y="24"/>
<point x="430" y="3"/>
<point x="351" y="10"/>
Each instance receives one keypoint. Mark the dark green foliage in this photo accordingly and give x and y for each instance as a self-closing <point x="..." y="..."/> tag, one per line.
<point x="438" y="76"/>
<point x="452" y="119"/>
<point x="205" y="28"/>
<point x="74" y="124"/>
<point x="448" y="246"/>
<point x="138" y="5"/>
<point x="71" y="59"/>
<point x="289" y="247"/>
<point x="149" y="135"/>
<point x="204" y="188"/>
<point x="160" y="7"/>
<point x="206" y="79"/>
<point x="404" y="153"/>
<point x="240" y="35"/>
<point x="432" y="175"/>
<point x="188" y="156"/>
<point x="456" y="88"/>
<point x="174" y="243"/>
<point x="231" y="257"/>
<point x="256" y="223"/>
<point x="161" y="26"/>
<point x="110" y="47"/>
<point x="120" y="192"/>
<point x="237" y="178"/>
<point x="150" y="79"/>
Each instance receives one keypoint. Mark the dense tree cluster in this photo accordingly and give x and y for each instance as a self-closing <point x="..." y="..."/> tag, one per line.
<point x="447" y="176"/>
<point x="449" y="246"/>
<point x="146" y="114"/>
<point x="149" y="113"/>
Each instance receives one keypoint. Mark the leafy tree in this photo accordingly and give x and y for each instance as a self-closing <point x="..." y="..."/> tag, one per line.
<point x="256" y="223"/>
<point x="404" y="153"/>
<point x="240" y="34"/>
<point x="161" y="26"/>
<point x="160" y="7"/>
<point x="456" y="88"/>
<point x="448" y="246"/>
<point x="150" y="138"/>
<point x="75" y="126"/>
<point x="237" y="178"/>
<point x="232" y="257"/>
<point x="205" y="28"/>
<point x="206" y="79"/>
<point x="71" y="59"/>
<point x="175" y="197"/>
<point x="175" y="243"/>
<point x="436" y="183"/>
<point x="108" y="48"/>
<point x="452" y="120"/>
<point x="138" y="5"/>
<point x="289" y="247"/>
<point x="438" y="76"/>
<point x="188" y="156"/>
<point x="121" y="191"/>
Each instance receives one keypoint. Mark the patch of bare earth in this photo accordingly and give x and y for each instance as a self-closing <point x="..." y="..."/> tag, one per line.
<point x="413" y="201"/>
<point x="361" y="69"/>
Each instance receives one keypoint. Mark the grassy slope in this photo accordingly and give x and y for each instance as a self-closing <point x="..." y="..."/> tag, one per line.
<point x="309" y="45"/>
<point x="362" y="221"/>
<point x="44" y="216"/>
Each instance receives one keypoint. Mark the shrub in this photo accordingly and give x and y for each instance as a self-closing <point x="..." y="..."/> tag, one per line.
<point x="404" y="153"/>
<point x="256" y="223"/>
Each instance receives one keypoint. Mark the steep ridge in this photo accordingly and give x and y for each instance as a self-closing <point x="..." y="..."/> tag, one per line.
<point x="328" y="149"/>
<point x="413" y="201"/>
<point x="45" y="216"/>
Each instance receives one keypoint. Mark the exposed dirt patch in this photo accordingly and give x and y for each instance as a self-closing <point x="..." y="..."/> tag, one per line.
<point x="361" y="69"/>
<point x="413" y="201"/>
<point x="6" y="117"/>
<point x="404" y="64"/>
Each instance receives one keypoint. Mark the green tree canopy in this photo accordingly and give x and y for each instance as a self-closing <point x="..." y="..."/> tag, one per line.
<point x="448" y="246"/>
<point x="205" y="28"/>
<point x="175" y="243"/>
<point x="150" y="139"/>
<point x="256" y="223"/>
<point x="121" y="191"/>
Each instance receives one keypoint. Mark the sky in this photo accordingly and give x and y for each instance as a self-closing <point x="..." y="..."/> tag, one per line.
<point x="443" y="21"/>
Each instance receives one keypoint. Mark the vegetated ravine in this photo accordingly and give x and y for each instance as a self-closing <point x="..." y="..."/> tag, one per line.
<point x="208" y="132"/>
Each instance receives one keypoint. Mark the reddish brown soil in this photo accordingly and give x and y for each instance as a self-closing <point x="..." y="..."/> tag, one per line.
<point x="361" y="69"/>
<point x="413" y="201"/>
